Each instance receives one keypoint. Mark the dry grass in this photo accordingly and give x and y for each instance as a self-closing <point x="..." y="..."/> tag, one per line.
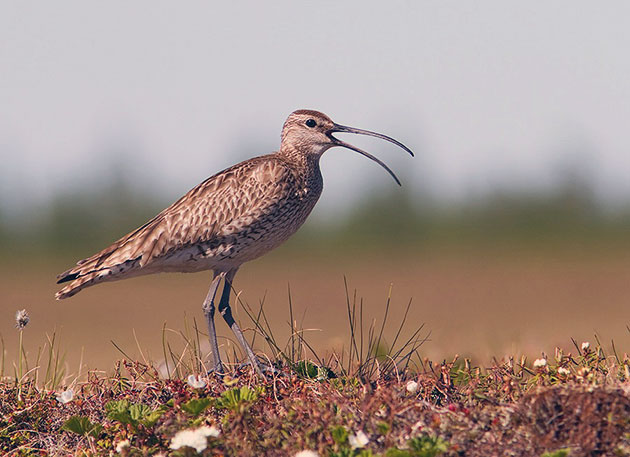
<point x="456" y="409"/>
<point x="327" y="386"/>
<point x="475" y="305"/>
<point x="373" y="399"/>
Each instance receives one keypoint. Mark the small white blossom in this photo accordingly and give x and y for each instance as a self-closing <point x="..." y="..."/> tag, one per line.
<point x="540" y="363"/>
<point x="22" y="319"/>
<point x="196" y="439"/>
<point x="306" y="454"/>
<point x="211" y="431"/>
<point x="359" y="440"/>
<point x="196" y="382"/>
<point x="563" y="371"/>
<point x="586" y="345"/>
<point x="189" y="438"/>
<point x="122" y="445"/>
<point x="412" y="387"/>
<point x="66" y="396"/>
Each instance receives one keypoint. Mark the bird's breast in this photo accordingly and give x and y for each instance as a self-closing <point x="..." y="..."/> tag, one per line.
<point x="261" y="230"/>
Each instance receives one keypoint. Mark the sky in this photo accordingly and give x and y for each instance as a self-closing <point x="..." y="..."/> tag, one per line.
<point x="489" y="94"/>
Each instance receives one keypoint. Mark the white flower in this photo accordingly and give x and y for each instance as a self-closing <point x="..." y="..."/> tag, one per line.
<point x="211" y="431"/>
<point x="306" y="454"/>
<point x="563" y="371"/>
<point x="196" y="382"/>
<point x="359" y="440"/>
<point x="196" y="439"/>
<point x="586" y="345"/>
<point x="22" y="319"/>
<point x="189" y="438"/>
<point x="540" y="363"/>
<point x="412" y="387"/>
<point x="122" y="445"/>
<point x="66" y="396"/>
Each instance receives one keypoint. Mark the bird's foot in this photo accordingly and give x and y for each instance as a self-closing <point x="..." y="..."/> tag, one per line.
<point x="262" y="369"/>
<point x="217" y="371"/>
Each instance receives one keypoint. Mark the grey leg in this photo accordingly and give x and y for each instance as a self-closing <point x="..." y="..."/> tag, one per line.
<point x="226" y="312"/>
<point x="208" y="311"/>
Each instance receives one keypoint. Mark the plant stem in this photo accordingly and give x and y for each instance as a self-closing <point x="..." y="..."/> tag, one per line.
<point x="19" y="373"/>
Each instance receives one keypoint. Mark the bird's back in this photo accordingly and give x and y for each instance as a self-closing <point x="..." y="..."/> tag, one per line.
<point x="232" y="217"/>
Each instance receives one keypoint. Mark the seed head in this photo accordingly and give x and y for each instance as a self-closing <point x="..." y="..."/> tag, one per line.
<point x="22" y="319"/>
<point x="540" y="363"/>
<point x="586" y="346"/>
<point x="563" y="371"/>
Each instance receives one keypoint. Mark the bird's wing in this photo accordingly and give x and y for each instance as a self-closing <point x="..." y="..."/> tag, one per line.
<point x="220" y="206"/>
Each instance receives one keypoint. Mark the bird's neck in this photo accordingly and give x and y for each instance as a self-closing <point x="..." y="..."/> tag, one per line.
<point x="301" y="157"/>
<point x="305" y="166"/>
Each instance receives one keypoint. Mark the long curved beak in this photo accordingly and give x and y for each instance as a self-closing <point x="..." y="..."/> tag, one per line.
<point x="343" y="129"/>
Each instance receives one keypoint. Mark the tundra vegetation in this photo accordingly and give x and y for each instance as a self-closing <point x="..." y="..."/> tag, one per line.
<point x="378" y="397"/>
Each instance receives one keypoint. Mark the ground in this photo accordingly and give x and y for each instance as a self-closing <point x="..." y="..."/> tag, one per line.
<point x="520" y="385"/>
<point x="570" y="404"/>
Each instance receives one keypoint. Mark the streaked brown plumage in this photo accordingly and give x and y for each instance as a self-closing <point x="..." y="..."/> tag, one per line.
<point x="232" y="217"/>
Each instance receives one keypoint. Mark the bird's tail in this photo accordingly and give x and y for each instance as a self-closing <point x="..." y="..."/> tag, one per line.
<point x="77" y="283"/>
<point x="89" y="272"/>
<point x="127" y="257"/>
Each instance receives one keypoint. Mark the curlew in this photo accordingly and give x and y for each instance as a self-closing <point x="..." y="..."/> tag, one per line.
<point x="232" y="217"/>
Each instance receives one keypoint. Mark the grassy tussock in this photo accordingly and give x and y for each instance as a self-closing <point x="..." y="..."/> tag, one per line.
<point x="377" y="397"/>
<point x="447" y="409"/>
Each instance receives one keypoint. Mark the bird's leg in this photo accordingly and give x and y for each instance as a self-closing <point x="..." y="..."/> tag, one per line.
<point x="208" y="311"/>
<point x="226" y="312"/>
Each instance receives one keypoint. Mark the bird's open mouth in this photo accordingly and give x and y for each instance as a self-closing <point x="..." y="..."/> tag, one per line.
<point x="343" y="129"/>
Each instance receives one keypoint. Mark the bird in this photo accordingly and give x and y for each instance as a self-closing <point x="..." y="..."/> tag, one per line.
<point x="234" y="216"/>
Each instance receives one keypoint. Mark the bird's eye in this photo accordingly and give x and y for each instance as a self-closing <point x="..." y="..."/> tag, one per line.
<point x="311" y="123"/>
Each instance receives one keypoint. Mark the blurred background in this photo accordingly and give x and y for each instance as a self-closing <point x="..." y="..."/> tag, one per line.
<point x="510" y="233"/>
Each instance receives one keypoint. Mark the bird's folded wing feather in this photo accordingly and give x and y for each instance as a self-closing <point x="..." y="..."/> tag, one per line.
<point x="222" y="205"/>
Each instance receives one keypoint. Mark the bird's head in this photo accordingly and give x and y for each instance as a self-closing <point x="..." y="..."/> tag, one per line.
<point x="311" y="132"/>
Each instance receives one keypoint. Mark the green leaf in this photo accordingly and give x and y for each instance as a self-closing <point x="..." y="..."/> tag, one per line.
<point x="196" y="406"/>
<point x="395" y="452"/>
<point x="118" y="406"/>
<point x="236" y="398"/>
<point x="363" y="453"/>
<point x="383" y="428"/>
<point x="558" y="453"/>
<point x="308" y="369"/>
<point x="118" y="410"/>
<point x="133" y="413"/>
<point x="151" y="419"/>
<point x="428" y="446"/>
<point x="138" y="411"/>
<point x="346" y="452"/>
<point x="81" y="425"/>
<point x="339" y="434"/>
